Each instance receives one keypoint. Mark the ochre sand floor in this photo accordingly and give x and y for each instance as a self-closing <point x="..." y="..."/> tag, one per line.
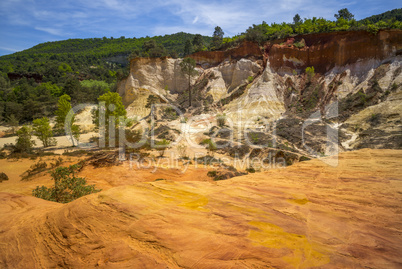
<point x="306" y="215"/>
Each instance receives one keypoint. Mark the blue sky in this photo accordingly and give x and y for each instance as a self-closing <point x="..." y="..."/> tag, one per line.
<point x="25" y="23"/>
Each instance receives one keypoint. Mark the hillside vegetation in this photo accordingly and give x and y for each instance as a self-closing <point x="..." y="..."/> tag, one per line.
<point x="32" y="80"/>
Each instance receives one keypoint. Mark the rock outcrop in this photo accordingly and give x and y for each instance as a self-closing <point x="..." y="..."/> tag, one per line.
<point x="262" y="99"/>
<point x="158" y="76"/>
<point x="356" y="69"/>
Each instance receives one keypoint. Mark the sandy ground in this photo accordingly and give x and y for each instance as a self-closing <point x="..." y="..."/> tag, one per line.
<point x="62" y="141"/>
<point x="307" y="215"/>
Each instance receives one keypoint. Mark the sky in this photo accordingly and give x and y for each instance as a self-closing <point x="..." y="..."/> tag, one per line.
<point x="26" y="23"/>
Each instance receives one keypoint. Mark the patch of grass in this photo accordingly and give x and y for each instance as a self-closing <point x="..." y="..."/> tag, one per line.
<point x="35" y="169"/>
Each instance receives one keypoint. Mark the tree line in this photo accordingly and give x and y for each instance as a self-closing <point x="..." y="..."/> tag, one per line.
<point x="344" y="21"/>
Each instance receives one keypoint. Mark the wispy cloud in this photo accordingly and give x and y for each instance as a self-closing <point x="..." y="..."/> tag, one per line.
<point x="51" y="31"/>
<point x="9" y="49"/>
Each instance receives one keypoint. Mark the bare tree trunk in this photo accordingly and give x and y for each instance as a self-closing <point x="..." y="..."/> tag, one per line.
<point x="189" y="89"/>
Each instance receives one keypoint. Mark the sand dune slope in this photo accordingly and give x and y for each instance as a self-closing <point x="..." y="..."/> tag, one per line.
<point x="307" y="215"/>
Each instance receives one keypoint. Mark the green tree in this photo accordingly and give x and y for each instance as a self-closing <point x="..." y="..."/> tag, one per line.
<point x="188" y="69"/>
<point x="188" y="47"/>
<point x="63" y="108"/>
<point x="13" y="122"/>
<point x="151" y="100"/>
<point x="113" y="108"/>
<point x="43" y="131"/>
<point x="24" y="142"/>
<point x="217" y="37"/>
<point x="72" y="87"/>
<point x="67" y="186"/>
<point x="297" y="20"/>
<point x="64" y="68"/>
<point x="148" y="45"/>
<point x="48" y="87"/>
<point x="110" y="111"/>
<point x="198" y="42"/>
<point x="345" y="14"/>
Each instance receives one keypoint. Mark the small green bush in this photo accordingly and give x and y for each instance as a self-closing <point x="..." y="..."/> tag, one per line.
<point x="299" y="44"/>
<point x="210" y="146"/>
<point x="221" y="120"/>
<point x="211" y="173"/>
<point x="310" y="73"/>
<point x="67" y="187"/>
<point x="250" y="170"/>
<point x="24" y="142"/>
<point x="35" y="169"/>
<point x="162" y="145"/>
<point x="3" y="176"/>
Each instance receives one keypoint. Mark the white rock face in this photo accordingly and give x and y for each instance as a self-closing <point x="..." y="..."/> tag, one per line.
<point x="264" y="99"/>
<point x="236" y="73"/>
<point x="357" y="76"/>
<point x="162" y="77"/>
<point x="231" y="75"/>
<point x="217" y="86"/>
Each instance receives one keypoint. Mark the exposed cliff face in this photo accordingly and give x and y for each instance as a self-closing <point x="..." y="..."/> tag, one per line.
<point x="157" y="76"/>
<point x="208" y="59"/>
<point x="163" y="77"/>
<point x="330" y="50"/>
<point x="263" y="98"/>
<point x="350" y="67"/>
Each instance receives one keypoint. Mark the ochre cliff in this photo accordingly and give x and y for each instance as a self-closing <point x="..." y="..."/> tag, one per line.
<point x="212" y="58"/>
<point x="325" y="51"/>
<point x="247" y="83"/>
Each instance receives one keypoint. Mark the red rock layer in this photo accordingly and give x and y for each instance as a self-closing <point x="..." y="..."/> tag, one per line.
<point x="245" y="50"/>
<point x="324" y="51"/>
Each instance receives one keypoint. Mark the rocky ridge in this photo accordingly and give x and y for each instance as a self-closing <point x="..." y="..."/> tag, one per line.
<point x="254" y="87"/>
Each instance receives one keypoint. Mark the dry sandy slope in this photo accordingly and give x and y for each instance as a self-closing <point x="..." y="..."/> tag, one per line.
<point x="307" y="215"/>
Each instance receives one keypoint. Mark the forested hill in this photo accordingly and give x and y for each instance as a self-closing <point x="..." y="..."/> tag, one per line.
<point x="83" y="53"/>
<point x="32" y="80"/>
<point x="106" y="47"/>
<point x="395" y="14"/>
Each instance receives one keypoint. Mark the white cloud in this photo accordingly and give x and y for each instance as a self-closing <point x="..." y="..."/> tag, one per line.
<point x="52" y="31"/>
<point x="9" y="49"/>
